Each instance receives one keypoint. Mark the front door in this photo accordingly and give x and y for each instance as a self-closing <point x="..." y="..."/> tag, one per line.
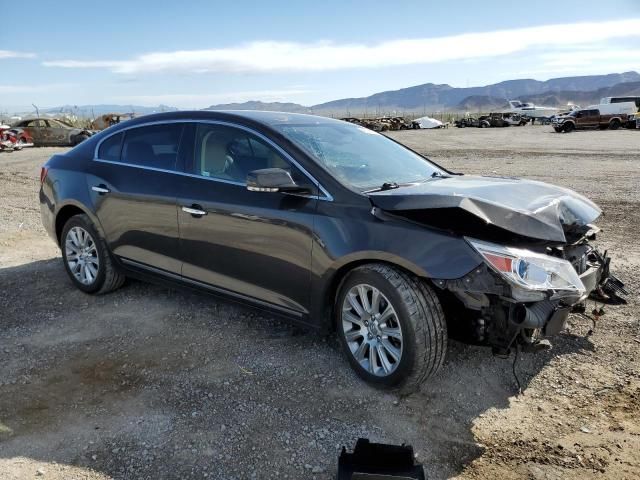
<point x="253" y="245"/>
<point x="132" y="183"/>
<point x="37" y="130"/>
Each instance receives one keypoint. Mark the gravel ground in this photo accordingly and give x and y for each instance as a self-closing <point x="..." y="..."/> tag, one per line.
<point x="149" y="382"/>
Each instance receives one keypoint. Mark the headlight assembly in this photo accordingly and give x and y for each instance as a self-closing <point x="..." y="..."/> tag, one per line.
<point x="530" y="270"/>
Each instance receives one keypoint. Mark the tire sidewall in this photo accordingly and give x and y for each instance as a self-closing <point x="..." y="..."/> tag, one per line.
<point x="407" y="360"/>
<point x="83" y="221"/>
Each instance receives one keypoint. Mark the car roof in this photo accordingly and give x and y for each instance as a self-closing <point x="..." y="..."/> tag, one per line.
<point x="269" y="119"/>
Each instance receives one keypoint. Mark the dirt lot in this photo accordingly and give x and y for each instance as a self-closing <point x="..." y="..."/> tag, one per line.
<point x="155" y="383"/>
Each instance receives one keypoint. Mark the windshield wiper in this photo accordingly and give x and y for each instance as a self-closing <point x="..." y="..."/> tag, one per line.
<point x="385" y="186"/>
<point x="393" y="185"/>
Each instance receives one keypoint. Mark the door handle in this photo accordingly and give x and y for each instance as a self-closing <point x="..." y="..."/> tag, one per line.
<point x="100" y="189"/>
<point x="194" y="211"/>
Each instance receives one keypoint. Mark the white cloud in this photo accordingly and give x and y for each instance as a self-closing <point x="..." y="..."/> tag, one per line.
<point x="9" y="89"/>
<point x="13" y="54"/>
<point x="194" y="100"/>
<point x="268" y="56"/>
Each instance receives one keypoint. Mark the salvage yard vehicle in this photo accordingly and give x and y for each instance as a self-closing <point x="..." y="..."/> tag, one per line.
<point x="427" y="122"/>
<point x="590" y="118"/>
<point x="329" y="224"/>
<point x="469" y="122"/>
<point x="53" y="132"/>
<point x="109" y="119"/>
<point x="13" y="139"/>
<point x="633" y="121"/>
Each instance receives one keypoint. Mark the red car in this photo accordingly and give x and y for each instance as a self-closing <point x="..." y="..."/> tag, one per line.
<point x="12" y="138"/>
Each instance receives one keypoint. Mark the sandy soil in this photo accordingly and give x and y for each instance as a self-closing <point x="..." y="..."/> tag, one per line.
<point x="153" y="383"/>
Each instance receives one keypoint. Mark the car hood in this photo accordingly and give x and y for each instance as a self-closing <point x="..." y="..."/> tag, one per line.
<point x="527" y="208"/>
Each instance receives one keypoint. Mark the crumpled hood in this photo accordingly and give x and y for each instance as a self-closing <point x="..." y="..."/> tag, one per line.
<point x="525" y="207"/>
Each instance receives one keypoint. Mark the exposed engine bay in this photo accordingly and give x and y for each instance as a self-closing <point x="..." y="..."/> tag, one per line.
<point x="507" y="315"/>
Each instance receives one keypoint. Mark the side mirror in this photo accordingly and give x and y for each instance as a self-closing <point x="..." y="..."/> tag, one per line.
<point x="272" y="180"/>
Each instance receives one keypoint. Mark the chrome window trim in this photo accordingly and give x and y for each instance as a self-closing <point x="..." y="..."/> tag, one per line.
<point x="326" y="196"/>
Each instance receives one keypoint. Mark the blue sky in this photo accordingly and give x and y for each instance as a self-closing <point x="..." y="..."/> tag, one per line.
<point x="191" y="54"/>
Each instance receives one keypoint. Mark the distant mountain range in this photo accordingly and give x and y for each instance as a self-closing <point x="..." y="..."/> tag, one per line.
<point x="425" y="98"/>
<point x="91" y="111"/>
<point x="429" y="97"/>
<point x="555" y="98"/>
<point x="268" y="106"/>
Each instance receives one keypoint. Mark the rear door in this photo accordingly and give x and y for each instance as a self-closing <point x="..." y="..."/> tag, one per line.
<point x="594" y="118"/>
<point x="132" y="182"/>
<point x="248" y="244"/>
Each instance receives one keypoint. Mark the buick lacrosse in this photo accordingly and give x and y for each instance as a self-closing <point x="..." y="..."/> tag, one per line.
<point x="329" y="224"/>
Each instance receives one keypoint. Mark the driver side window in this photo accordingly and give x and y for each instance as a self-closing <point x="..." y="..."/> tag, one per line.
<point x="229" y="153"/>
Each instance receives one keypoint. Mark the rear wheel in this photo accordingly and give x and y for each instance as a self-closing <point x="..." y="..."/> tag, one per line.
<point x="391" y="327"/>
<point x="614" y="124"/>
<point x="86" y="257"/>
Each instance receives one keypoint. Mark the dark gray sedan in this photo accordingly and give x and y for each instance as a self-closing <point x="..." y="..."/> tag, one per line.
<point x="330" y="224"/>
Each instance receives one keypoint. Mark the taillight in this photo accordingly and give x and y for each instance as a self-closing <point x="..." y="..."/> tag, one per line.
<point x="43" y="174"/>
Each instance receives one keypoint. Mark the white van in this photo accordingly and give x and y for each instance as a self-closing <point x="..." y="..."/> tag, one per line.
<point x="615" y="108"/>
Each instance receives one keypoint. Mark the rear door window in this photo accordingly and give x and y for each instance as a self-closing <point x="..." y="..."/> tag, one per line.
<point x="153" y="146"/>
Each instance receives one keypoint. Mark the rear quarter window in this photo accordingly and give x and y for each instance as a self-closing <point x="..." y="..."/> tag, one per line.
<point x="111" y="147"/>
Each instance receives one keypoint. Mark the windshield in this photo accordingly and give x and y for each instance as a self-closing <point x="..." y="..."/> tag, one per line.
<point x="359" y="157"/>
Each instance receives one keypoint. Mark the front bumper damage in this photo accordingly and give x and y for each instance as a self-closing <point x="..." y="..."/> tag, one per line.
<point x="504" y="315"/>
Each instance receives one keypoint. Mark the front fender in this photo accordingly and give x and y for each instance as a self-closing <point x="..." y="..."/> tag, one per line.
<point x="357" y="236"/>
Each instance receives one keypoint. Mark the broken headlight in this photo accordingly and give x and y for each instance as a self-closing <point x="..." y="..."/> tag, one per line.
<point x="530" y="270"/>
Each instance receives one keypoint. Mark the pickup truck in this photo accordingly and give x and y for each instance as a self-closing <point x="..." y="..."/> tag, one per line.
<point x="587" y="118"/>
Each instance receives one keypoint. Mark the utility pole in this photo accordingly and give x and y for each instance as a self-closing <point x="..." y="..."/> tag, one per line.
<point x="37" y="111"/>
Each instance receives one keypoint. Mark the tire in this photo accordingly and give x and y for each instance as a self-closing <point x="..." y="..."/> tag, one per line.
<point x="568" y="127"/>
<point x="558" y="130"/>
<point x="614" y="124"/>
<point x="417" y="317"/>
<point x="97" y="259"/>
<point x="484" y="125"/>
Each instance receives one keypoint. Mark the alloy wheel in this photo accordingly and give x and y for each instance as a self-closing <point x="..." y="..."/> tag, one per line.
<point x="82" y="255"/>
<point x="372" y="330"/>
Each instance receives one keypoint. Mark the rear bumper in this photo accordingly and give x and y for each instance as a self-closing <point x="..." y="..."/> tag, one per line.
<point x="47" y="214"/>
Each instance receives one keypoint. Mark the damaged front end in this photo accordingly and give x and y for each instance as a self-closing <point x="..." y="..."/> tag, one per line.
<point x="534" y="240"/>
<point x="523" y="296"/>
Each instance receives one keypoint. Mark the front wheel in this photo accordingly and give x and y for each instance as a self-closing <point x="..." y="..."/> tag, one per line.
<point x="391" y="327"/>
<point x="614" y="124"/>
<point x="568" y="127"/>
<point x="86" y="258"/>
